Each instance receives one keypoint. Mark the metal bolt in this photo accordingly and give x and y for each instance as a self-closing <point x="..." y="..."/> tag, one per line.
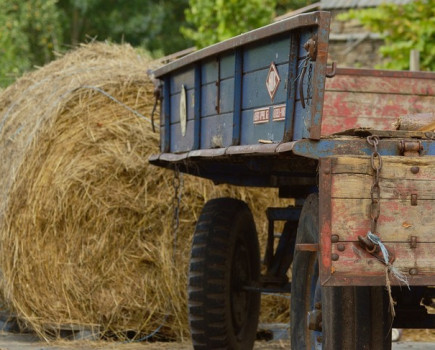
<point x="327" y="170"/>
<point x="334" y="257"/>
<point x="415" y="169"/>
<point x="334" y="238"/>
<point x="414" y="199"/>
<point x="413" y="242"/>
<point x="341" y="247"/>
<point x="413" y="271"/>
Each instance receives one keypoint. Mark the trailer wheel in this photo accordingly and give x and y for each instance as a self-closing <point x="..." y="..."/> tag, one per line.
<point x="332" y="318"/>
<point x="225" y="259"/>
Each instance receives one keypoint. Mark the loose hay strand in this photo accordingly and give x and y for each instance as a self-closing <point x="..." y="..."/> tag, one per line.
<point x="85" y="221"/>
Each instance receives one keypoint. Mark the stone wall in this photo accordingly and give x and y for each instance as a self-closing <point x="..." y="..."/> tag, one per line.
<point x="350" y="45"/>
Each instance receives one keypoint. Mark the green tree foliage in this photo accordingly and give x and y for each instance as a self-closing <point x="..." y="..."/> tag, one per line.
<point x="151" y="24"/>
<point x="404" y="28"/>
<point x="216" y="20"/>
<point x="29" y="33"/>
<point x="283" y="6"/>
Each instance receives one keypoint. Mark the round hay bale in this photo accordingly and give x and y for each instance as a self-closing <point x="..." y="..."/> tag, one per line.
<point x="85" y="222"/>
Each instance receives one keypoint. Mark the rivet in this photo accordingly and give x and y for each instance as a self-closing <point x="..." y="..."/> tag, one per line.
<point x="334" y="238"/>
<point x="340" y="247"/>
<point x="334" y="257"/>
<point x="327" y="170"/>
<point x="414" y="199"/>
<point x="413" y="242"/>
<point x="413" y="271"/>
<point x="415" y="169"/>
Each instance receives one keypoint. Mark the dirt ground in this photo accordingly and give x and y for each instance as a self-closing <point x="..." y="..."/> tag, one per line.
<point x="411" y="339"/>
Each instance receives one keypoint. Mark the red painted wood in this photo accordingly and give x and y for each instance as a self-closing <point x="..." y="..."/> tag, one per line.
<point x="375" y="99"/>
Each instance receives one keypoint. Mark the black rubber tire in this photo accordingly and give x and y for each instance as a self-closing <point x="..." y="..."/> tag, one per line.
<point x="225" y="257"/>
<point x="353" y="318"/>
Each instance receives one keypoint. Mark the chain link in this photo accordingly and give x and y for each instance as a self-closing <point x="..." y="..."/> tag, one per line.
<point x="375" y="191"/>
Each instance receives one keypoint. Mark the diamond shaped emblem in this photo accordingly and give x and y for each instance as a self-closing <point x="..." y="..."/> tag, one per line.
<point x="272" y="81"/>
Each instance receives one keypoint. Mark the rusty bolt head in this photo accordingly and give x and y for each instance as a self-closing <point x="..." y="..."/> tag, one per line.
<point x="341" y="247"/>
<point x="334" y="257"/>
<point x="415" y="169"/>
<point x="334" y="238"/>
<point x="413" y="271"/>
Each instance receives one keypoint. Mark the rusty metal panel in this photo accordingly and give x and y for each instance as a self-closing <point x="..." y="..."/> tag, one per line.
<point x="367" y="98"/>
<point x="405" y="224"/>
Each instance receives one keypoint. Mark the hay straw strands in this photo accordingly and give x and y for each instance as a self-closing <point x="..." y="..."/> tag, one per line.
<point x="85" y="222"/>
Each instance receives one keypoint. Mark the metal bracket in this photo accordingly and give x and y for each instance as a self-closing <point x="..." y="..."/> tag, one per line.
<point x="411" y="148"/>
<point x="330" y="72"/>
<point x="311" y="47"/>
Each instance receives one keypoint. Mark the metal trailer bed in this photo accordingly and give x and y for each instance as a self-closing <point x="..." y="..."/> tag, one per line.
<point x="248" y="111"/>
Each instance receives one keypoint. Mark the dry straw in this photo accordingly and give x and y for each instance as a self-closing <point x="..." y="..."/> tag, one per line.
<point x="85" y="221"/>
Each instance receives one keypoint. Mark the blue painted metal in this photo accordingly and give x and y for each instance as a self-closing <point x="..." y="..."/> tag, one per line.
<point x="291" y="87"/>
<point x="197" y="108"/>
<point x="237" y="116"/>
<point x="352" y="146"/>
<point x="166" y="141"/>
<point x="228" y="81"/>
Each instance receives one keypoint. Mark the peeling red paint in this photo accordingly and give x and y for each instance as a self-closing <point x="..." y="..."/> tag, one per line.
<point x="374" y="99"/>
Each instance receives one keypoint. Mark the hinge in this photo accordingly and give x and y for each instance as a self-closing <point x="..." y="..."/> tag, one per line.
<point x="410" y="148"/>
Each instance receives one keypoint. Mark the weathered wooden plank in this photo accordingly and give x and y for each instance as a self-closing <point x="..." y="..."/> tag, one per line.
<point x="344" y="110"/>
<point x="359" y="186"/>
<point x="393" y="167"/>
<point x="404" y="226"/>
<point x="356" y="266"/>
<point x="382" y="85"/>
<point x="398" y="219"/>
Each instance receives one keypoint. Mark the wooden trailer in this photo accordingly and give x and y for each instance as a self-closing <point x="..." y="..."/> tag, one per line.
<point x="255" y="111"/>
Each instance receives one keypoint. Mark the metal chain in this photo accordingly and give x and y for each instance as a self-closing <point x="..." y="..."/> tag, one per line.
<point x="177" y="184"/>
<point x="375" y="191"/>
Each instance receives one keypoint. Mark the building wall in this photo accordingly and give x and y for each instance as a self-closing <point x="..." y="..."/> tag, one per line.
<point x="350" y="45"/>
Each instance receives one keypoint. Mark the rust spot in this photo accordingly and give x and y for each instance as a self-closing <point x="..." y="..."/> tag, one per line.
<point x="406" y="224"/>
